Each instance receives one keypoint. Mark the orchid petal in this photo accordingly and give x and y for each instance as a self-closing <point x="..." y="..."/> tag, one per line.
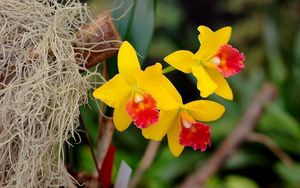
<point x="128" y="62"/>
<point x="121" y="118"/>
<point x="153" y="82"/>
<point x="205" y="84"/>
<point x="182" y="60"/>
<point x="173" y="139"/>
<point x="223" y="88"/>
<point x="114" y="91"/>
<point x="165" y="83"/>
<point x="205" y="110"/>
<point x="157" y="131"/>
<point x="211" y="41"/>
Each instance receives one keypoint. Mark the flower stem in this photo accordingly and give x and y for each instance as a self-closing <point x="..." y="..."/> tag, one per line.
<point x="91" y="147"/>
<point x="168" y="69"/>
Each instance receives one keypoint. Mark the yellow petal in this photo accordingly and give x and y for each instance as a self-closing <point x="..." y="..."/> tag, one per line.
<point x="223" y="89"/>
<point x="182" y="60"/>
<point x="205" y="110"/>
<point x="165" y="83"/>
<point x="153" y="82"/>
<point x="128" y="62"/>
<point x="121" y="118"/>
<point x="173" y="139"/>
<point x="114" y="91"/>
<point x="157" y="131"/>
<point x="154" y="72"/>
<point x="211" y="41"/>
<point x="205" y="84"/>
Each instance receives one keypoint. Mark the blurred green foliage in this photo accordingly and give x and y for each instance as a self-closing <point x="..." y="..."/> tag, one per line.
<point x="268" y="32"/>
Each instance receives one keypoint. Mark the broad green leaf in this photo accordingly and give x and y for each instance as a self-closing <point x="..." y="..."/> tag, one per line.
<point x="123" y="12"/>
<point x="135" y="21"/>
<point x="142" y="26"/>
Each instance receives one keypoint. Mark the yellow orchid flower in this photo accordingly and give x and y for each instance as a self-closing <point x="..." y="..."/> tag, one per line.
<point x="183" y="124"/>
<point x="214" y="60"/>
<point x="134" y="94"/>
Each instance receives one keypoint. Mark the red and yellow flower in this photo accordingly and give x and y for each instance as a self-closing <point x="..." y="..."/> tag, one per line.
<point x="134" y="94"/>
<point x="184" y="125"/>
<point x="214" y="60"/>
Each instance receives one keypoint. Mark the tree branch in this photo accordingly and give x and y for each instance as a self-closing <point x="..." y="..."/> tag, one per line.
<point x="272" y="146"/>
<point x="146" y="161"/>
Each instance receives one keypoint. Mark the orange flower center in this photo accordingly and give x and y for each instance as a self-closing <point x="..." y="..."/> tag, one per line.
<point x="142" y="110"/>
<point x="193" y="133"/>
<point x="229" y="60"/>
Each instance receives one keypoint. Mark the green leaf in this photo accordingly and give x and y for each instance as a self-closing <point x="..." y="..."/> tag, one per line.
<point x="296" y="49"/>
<point x="287" y="143"/>
<point x="234" y="181"/>
<point x="85" y="159"/>
<point x="242" y="159"/>
<point x="231" y="181"/>
<point x="290" y="174"/>
<point x="277" y="119"/>
<point x="135" y="21"/>
<point x="153" y="183"/>
<point x="294" y="81"/>
<point x="278" y="71"/>
<point x="214" y="182"/>
<point x="142" y="26"/>
<point x="123" y="12"/>
<point x="296" y="65"/>
<point x="89" y="114"/>
<point x="172" y="167"/>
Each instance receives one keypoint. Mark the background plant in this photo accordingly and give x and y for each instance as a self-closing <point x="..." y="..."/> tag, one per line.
<point x="268" y="33"/>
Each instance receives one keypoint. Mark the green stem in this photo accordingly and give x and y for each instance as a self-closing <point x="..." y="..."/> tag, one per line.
<point x="168" y="69"/>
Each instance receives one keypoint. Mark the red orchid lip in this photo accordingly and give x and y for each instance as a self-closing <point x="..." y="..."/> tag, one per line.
<point x="230" y="60"/>
<point x="143" y="110"/>
<point x="194" y="134"/>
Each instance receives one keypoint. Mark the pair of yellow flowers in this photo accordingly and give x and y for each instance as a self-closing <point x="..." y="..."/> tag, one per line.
<point x="149" y="100"/>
